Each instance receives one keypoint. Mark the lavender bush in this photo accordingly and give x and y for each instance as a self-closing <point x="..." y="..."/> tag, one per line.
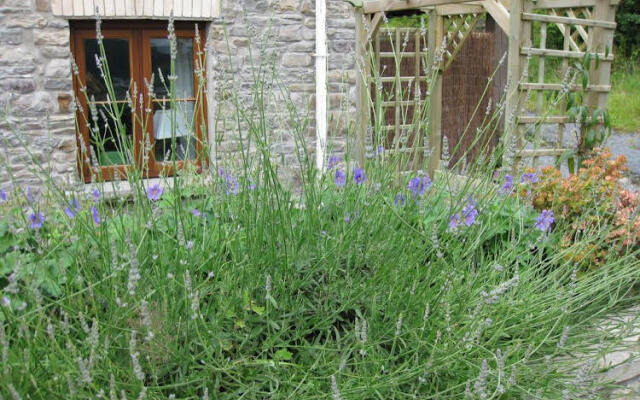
<point x="361" y="283"/>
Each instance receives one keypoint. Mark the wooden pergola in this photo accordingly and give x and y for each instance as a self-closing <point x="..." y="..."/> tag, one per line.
<point x="587" y="27"/>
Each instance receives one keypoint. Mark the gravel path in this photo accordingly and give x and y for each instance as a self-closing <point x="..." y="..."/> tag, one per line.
<point x="628" y="144"/>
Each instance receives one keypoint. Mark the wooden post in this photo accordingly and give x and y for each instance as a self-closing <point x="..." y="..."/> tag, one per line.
<point x="362" y="87"/>
<point x="436" y="35"/>
<point x="514" y="67"/>
<point x="600" y="39"/>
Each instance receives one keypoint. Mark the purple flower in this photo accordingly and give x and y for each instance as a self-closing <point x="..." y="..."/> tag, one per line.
<point x="95" y="215"/>
<point x="73" y="208"/>
<point x="154" y="193"/>
<point x="529" y="178"/>
<point x="252" y="185"/>
<point x="220" y="171"/>
<point x="189" y="245"/>
<point x="545" y="220"/>
<point x="96" y="194"/>
<point x="3" y="195"/>
<point x="233" y="187"/>
<point x="379" y="151"/>
<point x="29" y="195"/>
<point x="333" y="161"/>
<point x="400" y="200"/>
<point x="347" y="219"/>
<point x="359" y="175"/>
<point x="36" y="219"/>
<point x="508" y="184"/>
<point x="454" y="222"/>
<point x="417" y="185"/>
<point x="196" y="213"/>
<point x="469" y="212"/>
<point x="5" y="301"/>
<point x="340" y="178"/>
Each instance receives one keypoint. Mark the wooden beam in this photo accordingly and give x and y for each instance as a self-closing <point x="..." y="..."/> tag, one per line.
<point x="362" y="87"/>
<point x="436" y="35"/>
<point x="457" y="9"/>
<point x="562" y="53"/>
<point x="546" y="4"/>
<point x="374" y="26"/>
<point x="499" y="13"/>
<point x="374" y="6"/>
<point x="569" y="21"/>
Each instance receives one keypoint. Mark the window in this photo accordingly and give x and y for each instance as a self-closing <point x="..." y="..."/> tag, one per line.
<point x="121" y="124"/>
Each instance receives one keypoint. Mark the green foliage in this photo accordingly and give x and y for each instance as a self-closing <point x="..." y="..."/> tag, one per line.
<point x="627" y="37"/>
<point x="624" y="102"/>
<point x="234" y="285"/>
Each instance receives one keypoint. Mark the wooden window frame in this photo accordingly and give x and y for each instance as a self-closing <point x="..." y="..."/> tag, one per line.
<point x="139" y="33"/>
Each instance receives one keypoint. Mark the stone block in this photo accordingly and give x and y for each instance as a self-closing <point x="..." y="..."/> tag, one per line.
<point x="55" y="51"/>
<point x="58" y="84"/>
<point x="64" y="102"/>
<point x="296" y="60"/>
<point x="51" y="37"/>
<point x="11" y="36"/>
<point x="43" y="5"/>
<point x="26" y="21"/>
<point x="18" y="85"/>
<point x="287" y="5"/>
<point x="58" y="68"/>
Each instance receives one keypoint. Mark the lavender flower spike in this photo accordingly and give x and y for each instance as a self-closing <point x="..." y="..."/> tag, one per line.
<point x="95" y="215"/>
<point x="154" y="193"/>
<point x="545" y="220"/>
<point x="340" y="178"/>
<point x="3" y="195"/>
<point x="37" y="220"/>
<point x="359" y="176"/>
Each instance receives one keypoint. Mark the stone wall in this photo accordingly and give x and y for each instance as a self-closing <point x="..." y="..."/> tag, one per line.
<point x="36" y="89"/>
<point x="282" y="33"/>
<point x="36" y="79"/>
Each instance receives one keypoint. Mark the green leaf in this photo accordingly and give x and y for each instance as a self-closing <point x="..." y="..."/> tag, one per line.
<point x="283" y="355"/>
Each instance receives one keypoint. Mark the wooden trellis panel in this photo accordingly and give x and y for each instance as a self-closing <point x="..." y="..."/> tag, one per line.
<point x="586" y="27"/>
<point x="399" y="88"/>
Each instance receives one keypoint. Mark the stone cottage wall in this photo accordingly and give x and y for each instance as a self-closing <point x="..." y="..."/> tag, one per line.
<point x="36" y="79"/>
<point x="282" y="32"/>
<point x="36" y="89"/>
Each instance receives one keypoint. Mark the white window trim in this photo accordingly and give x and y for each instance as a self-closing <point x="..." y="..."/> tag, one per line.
<point x="137" y="9"/>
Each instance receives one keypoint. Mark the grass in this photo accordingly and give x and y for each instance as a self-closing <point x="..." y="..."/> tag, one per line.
<point x="358" y="284"/>
<point x="624" y="101"/>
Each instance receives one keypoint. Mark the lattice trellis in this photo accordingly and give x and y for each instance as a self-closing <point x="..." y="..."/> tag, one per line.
<point x="584" y="30"/>
<point x="458" y="27"/>
<point x="586" y="26"/>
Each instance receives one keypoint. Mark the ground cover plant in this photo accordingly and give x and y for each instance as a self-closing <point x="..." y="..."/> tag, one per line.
<point x="360" y="283"/>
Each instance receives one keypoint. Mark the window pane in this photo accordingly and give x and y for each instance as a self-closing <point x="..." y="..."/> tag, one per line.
<point x="164" y="129"/>
<point x="117" y="51"/>
<point x="161" y="59"/>
<point x="107" y="142"/>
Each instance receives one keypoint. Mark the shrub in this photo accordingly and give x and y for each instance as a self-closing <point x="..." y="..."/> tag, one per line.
<point x="591" y="199"/>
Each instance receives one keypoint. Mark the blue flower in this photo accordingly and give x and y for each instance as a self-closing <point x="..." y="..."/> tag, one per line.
<point x="154" y="193"/>
<point x="379" y="151"/>
<point x="37" y="220"/>
<point x="454" y="222"/>
<point x="529" y="178"/>
<point x="196" y="213"/>
<point x="3" y="195"/>
<point x="95" y="215"/>
<point x="333" y="161"/>
<point x="96" y="194"/>
<point x="508" y="184"/>
<point x="29" y="195"/>
<point x="400" y="200"/>
<point x="347" y="219"/>
<point x="233" y="187"/>
<point x="252" y="185"/>
<point x="340" y="178"/>
<point x="73" y="208"/>
<point x="417" y="185"/>
<point x="359" y="175"/>
<point x="545" y="220"/>
<point x="470" y="212"/>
